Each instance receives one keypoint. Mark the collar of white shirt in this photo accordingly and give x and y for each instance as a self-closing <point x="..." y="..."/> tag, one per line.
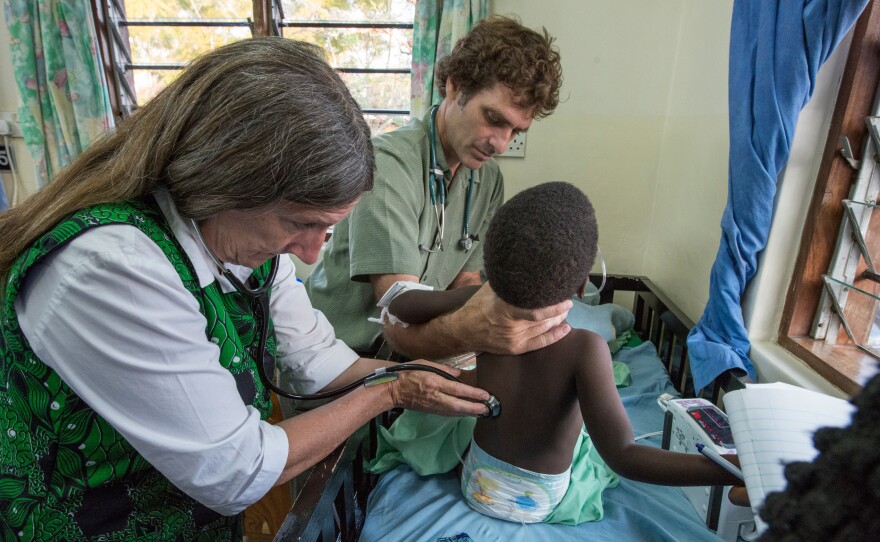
<point x="182" y="229"/>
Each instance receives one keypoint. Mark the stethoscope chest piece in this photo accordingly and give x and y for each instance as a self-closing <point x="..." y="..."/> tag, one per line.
<point x="494" y="406"/>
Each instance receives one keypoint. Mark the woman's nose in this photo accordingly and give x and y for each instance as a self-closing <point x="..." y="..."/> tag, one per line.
<point x="307" y="246"/>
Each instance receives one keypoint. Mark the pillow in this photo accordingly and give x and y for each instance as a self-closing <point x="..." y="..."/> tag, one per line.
<point x="606" y="320"/>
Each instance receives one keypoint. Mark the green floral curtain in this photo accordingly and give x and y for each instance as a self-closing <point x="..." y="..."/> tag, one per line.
<point x="438" y="25"/>
<point x="65" y="101"/>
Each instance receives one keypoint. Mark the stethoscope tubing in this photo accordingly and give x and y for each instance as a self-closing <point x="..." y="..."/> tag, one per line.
<point x="437" y="192"/>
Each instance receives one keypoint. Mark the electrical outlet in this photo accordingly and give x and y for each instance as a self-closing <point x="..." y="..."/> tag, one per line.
<point x="5" y="158"/>
<point x="517" y="146"/>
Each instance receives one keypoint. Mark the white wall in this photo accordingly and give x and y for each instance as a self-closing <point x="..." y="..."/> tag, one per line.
<point x="9" y="102"/>
<point x="643" y="131"/>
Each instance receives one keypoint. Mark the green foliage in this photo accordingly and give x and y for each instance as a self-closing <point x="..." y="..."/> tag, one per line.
<point x="345" y="47"/>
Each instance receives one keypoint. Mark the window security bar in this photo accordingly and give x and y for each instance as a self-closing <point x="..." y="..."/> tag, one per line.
<point x="828" y="281"/>
<point x="857" y="224"/>
<point x="344" y="24"/>
<point x="119" y="56"/>
<point x="831" y="284"/>
<point x="123" y="64"/>
<point x="374" y="70"/>
<point x="217" y="23"/>
<point x="277" y="14"/>
<point x="845" y="259"/>
<point x="181" y="65"/>
<point x="402" y="112"/>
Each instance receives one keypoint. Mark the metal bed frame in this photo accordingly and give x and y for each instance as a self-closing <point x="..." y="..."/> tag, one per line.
<point x="331" y="505"/>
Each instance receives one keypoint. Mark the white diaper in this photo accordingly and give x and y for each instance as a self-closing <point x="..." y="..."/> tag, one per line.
<point x="498" y="489"/>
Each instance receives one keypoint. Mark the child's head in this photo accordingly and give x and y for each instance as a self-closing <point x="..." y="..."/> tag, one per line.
<point x="541" y="245"/>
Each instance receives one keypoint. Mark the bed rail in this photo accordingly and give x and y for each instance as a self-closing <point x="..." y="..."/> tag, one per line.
<point x="332" y="503"/>
<point x="660" y="321"/>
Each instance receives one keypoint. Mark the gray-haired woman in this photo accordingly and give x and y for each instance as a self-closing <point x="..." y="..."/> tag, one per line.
<point x="131" y="404"/>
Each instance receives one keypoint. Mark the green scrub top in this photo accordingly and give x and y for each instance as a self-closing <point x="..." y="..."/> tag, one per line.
<point x="383" y="233"/>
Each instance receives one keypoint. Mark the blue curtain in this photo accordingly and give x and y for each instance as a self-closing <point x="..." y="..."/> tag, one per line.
<point x="4" y="203"/>
<point x="776" y="49"/>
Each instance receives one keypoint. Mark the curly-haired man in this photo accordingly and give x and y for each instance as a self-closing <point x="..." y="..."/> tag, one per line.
<point x="436" y="189"/>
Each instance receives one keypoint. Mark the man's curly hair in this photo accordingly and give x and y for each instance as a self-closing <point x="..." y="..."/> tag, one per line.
<point x="501" y="50"/>
<point x="837" y="496"/>
<point x="541" y="245"/>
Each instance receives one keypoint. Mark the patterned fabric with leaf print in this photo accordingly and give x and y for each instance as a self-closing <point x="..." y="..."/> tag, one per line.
<point x="57" y="68"/>
<point x="65" y="473"/>
<point x="438" y="25"/>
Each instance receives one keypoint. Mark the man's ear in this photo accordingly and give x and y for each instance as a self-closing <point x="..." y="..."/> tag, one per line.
<point x="582" y="290"/>
<point x="452" y="90"/>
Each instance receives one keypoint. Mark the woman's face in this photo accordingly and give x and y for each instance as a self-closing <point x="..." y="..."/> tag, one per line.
<point x="250" y="237"/>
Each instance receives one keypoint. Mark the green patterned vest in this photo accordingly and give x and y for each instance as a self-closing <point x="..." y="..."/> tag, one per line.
<point x="65" y="474"/>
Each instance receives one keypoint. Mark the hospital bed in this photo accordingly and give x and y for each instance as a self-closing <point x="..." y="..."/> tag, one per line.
<point x="340" y="501"/>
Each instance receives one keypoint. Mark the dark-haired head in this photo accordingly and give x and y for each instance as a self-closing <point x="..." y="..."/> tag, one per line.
<point x="541" y="245"/>
<point x="837" y="495"/>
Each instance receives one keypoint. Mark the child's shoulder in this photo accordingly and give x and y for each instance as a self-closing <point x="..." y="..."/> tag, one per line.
<point x="585" y="337"/>
<point x="579" y="344"/>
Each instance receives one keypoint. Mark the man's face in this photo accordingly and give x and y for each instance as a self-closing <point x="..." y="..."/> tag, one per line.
<point x="250" y="237"/>
<point x="482" y="127"/>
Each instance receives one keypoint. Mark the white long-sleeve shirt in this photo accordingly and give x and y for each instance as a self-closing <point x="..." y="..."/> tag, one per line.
<point x="110" y="315"/>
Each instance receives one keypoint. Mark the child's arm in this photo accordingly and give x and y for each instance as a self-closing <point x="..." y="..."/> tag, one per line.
<point x="419" y="306"/>
<point x="609" y="427"/>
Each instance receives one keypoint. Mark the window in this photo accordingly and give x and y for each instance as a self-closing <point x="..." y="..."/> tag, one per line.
<point x="844" y="200"/>
<point x="148" y="42"/>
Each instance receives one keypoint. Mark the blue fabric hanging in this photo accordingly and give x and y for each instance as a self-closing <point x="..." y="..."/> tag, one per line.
<point x="4" y="204"/>
<point x="776" y="50"/>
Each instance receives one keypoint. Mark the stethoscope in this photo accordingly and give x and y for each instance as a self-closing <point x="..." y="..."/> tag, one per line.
<point x="259" y="298"/>
<point x="437" y="190"/>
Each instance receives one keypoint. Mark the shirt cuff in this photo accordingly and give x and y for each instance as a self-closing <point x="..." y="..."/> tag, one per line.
<point x="276" y="449"/>
<point x="314" y="374"/>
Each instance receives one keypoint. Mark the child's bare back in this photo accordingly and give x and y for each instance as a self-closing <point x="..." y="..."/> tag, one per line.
<point x="538" y="390"/>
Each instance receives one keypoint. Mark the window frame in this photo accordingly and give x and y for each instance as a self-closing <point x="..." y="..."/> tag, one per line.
<point x="838" y="363"/>
<point x="267" y="20"/>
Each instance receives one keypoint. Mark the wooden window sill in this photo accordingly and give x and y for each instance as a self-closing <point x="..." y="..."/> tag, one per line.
<point x="842" y="365"/>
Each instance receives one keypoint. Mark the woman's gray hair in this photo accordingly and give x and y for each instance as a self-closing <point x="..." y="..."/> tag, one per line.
<point x="249" y="125"/>
<point x="268" y="120"/>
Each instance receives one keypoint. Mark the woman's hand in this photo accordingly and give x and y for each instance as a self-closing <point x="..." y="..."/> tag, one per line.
<point x="500" y="328"/>
<point x="434" y="394"/>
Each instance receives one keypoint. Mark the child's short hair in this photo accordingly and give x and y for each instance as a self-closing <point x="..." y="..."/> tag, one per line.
<point x="541" y="245"/>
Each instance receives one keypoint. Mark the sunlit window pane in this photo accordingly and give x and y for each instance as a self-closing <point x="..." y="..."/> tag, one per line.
<point x="351" y="10"/>
<point x="164" y="44"/>
<point x="188" y="9"/>
<point x="347" y="48"/>
<point x="360" y="47"/>
<point x="148" y="83"/>
<point x="379" y="124"/>
<point x="379" y="90"/>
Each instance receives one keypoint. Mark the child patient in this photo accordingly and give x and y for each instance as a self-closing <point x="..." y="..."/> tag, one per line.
<point x="538" y="251"/>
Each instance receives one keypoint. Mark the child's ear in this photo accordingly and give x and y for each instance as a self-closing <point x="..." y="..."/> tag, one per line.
<point x="582" y="290"/>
